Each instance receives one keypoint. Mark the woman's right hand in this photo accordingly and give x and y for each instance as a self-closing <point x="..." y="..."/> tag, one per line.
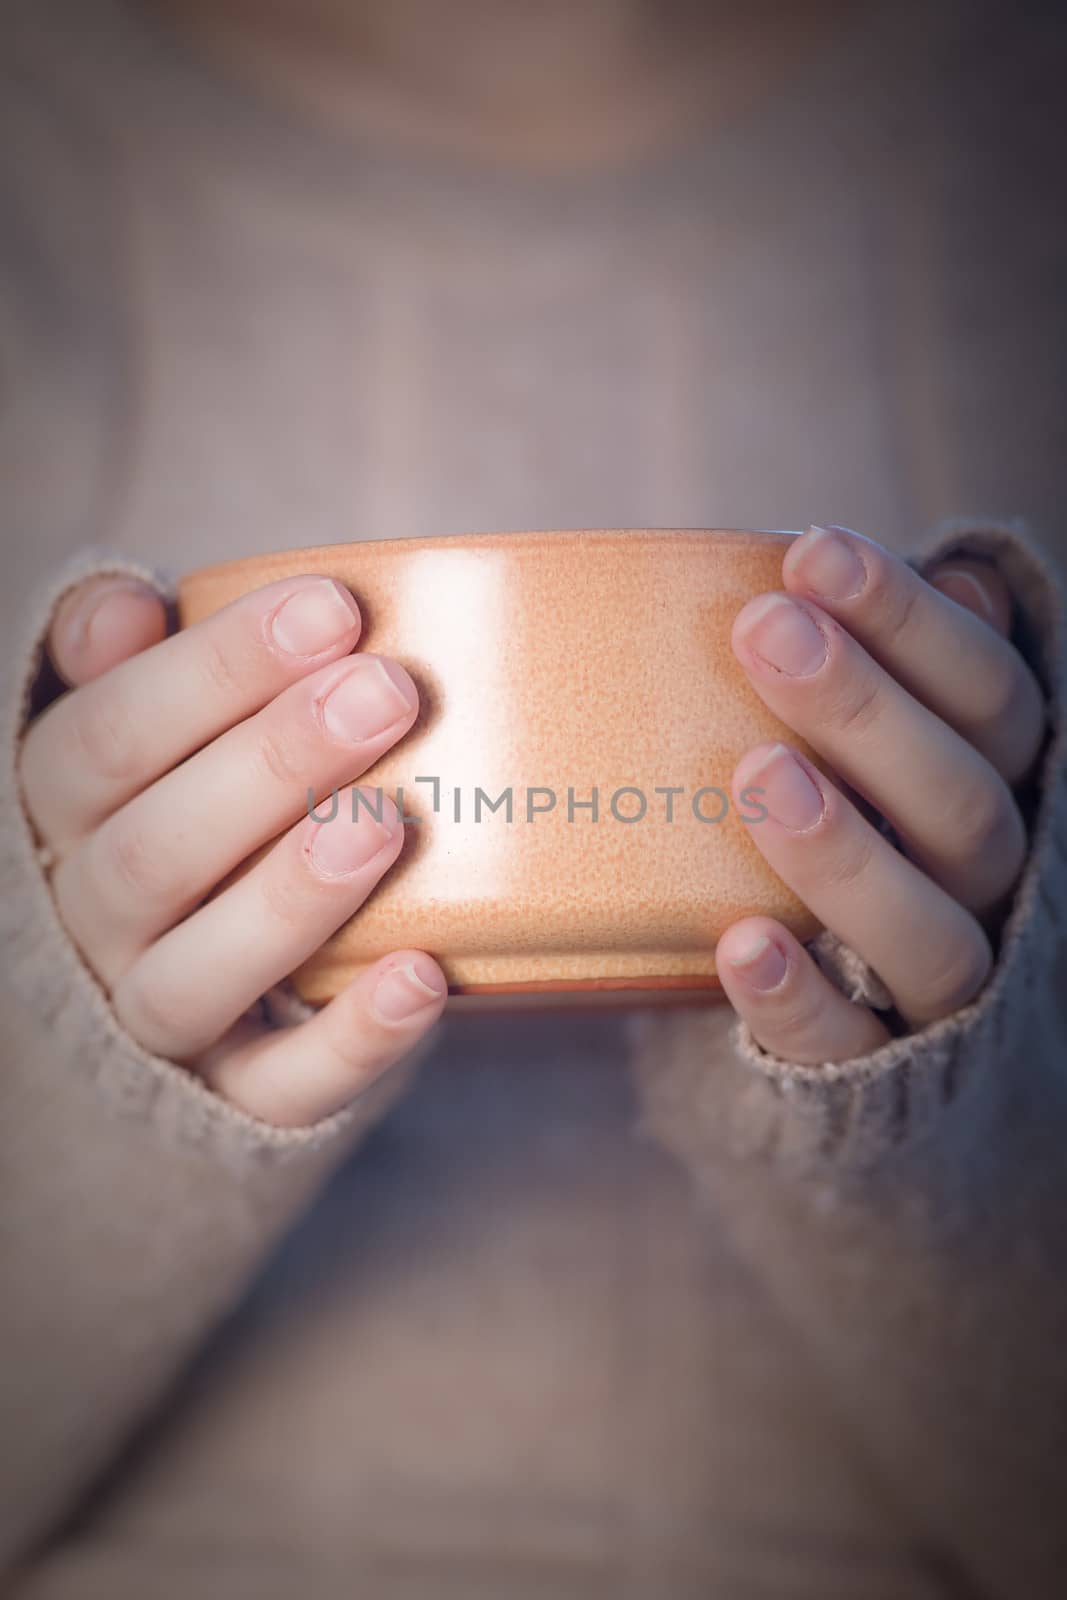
<point x="169" y="763"/>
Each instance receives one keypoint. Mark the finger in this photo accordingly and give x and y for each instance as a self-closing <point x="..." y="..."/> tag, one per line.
<point x="101" y="622"/>
<point x="791" y="1007"/>
<point x="977" y="586"/>
<point x="954" y="812"/>
<point x="298" y="1076"/>
<point x="95" y="748"/>
<point x="139" y="874"/>
<point x="188" y="989"/>
<point x="946" y="655"/>
<point x="931" y="954"/>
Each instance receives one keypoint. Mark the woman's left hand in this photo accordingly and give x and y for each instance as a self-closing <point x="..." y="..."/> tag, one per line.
<point x="909" y="688"/>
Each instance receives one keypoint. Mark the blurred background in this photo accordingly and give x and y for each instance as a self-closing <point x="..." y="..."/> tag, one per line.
<point x="308" y="270"/>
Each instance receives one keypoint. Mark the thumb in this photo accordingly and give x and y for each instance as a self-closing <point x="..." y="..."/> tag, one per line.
<point x="103" y="621"/>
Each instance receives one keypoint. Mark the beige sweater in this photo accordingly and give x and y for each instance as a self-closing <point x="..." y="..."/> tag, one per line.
<point x="704" y="1324"/>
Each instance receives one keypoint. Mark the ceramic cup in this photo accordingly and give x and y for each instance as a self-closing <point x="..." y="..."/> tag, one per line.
<point x="567" y="787"/>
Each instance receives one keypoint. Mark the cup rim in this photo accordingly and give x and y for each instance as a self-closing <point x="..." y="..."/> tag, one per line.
<point x="510" y="538"/>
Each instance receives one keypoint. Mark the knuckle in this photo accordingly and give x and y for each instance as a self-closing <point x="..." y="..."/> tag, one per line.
<point x="220" y="671"/>
<point x="958" y="979"/>
<point x="851" y="860"/>
<point x="985" y="823"/>
<point x="104" y="734"/>
<point x="1013" y="720"/>
<point x="287" y="899"/>
<point x="857" y="703"/>
<point x="127" y="860"/>
<point x="892" y="596"/>
<point x="279" y="759"/>
<point x="355" y="1058"/>
<point x="1006" y="692"/>
<point x="360" y="1047"/>
<point x="1016" y="703"/>
<point x="799" y="1014"/>
<point x="158" y="1018"/>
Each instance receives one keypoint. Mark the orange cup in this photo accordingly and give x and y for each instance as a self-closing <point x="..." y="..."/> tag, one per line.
<point x="570" y="824"/>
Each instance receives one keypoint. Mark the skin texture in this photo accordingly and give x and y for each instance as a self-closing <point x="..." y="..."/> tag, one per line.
<point x="171" y="763"/>
<point x="909" y="688"/>
<point x="175" y="759"/>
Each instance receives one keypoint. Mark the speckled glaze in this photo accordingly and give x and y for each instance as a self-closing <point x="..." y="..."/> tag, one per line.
<point x="566" y="662"/>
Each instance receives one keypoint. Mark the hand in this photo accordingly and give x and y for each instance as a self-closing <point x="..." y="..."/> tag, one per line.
<point x="169" y="764"/>
<point x="910" y="690"/>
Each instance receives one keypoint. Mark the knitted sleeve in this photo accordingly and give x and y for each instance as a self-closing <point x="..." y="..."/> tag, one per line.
<point x="134" y="1204"/>
<point x="907" y="1210"/>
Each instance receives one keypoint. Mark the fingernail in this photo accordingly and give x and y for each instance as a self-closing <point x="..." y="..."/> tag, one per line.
<point x="828" y="565"/>
<point x="401" y="993"/>
<point x="342" y="846"/>
<point x="370" y="698"/>
<point x="783" y="634"/>
<point x="789" y="794"/>
<point x="761" y="963"/>
<point x="314" y="618"/>
<point x="965" y="589"/>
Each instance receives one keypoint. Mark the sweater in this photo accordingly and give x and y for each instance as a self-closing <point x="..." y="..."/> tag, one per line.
<point x="595" y="1306"/>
